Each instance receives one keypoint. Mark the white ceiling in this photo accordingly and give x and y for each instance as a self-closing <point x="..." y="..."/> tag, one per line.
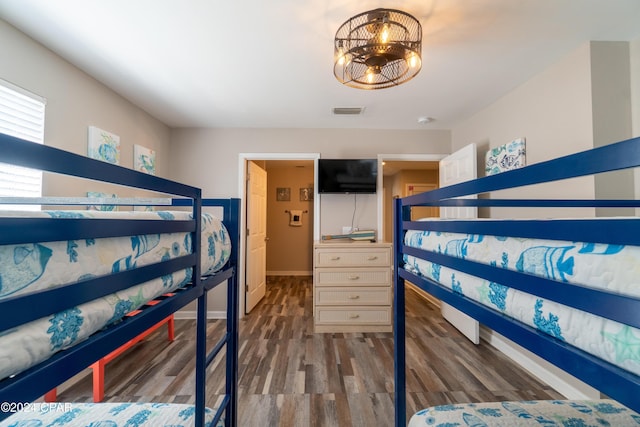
<point x="269" y="63"/>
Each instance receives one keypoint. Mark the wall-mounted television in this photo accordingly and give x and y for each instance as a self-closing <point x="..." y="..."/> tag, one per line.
<point x="347" y="176"/>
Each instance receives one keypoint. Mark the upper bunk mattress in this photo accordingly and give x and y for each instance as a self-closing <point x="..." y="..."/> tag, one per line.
<point x="615" y="268"/>
<point x="31" y="267"/>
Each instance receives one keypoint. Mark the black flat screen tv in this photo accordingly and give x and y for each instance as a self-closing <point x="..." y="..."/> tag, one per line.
<point x="340" y="176"/>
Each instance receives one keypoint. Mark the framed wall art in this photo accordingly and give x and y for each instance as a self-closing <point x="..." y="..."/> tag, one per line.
<point x="306" y="194"/>
<point x="103" y="145"/>
<point x="144" y="159"/>
<point x="101" y="207"/>
<point x="283" y="194"/>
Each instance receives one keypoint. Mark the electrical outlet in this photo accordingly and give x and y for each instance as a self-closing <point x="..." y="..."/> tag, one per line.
<point x="346" y="229"/>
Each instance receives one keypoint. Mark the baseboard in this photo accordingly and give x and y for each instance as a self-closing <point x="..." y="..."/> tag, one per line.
<point x="559" y="380"/>
<point x="289" y="273"/>
<point x="424" y="295"/>
<point x="191" y="315"/>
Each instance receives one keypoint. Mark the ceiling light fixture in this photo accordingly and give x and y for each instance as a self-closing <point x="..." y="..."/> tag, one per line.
<point x="378" y="49"/>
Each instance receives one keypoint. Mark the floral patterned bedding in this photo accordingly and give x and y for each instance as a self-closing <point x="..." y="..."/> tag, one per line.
<point x="30" y="267"/>
<point x="612" y="267"/>
<point x="107" y="415"/>
<point x="560" y="413"/>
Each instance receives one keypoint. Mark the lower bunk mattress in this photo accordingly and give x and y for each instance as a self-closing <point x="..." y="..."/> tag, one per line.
<point x="615" y="268"/>
<point x="560" y="413"/>
<point x="26" y="268"/>
<point x="106" y="415"/>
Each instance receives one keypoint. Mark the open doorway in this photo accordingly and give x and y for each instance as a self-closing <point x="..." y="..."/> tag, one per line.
<point x="288" y="192"/>
<point x="290" y="214"/>
<point x="403" y="175"/>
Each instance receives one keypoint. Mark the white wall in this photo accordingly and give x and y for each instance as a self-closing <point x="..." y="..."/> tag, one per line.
<point x="612" y="121"/>
<point x="634" y="53"/>
<point x="75" y="101"/>
<point x="208" y="158"/>
<point x="553" y="111"/>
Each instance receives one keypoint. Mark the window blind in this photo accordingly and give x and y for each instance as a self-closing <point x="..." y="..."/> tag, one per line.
<point x="22" y="116"/>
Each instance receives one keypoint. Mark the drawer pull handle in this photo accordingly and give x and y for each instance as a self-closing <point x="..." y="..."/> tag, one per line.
<point x="354" y="316"/>
<point x="354" y="277"/>
<point x="335" y="258"/>
<point x="372" y="258"/>
<point x="354" y="296"/>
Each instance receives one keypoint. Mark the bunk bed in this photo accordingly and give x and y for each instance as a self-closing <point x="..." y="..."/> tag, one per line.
<point x="69" y="277"/>
<point x="565" y="289"/>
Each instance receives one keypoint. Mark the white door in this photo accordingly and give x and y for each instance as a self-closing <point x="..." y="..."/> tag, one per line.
<point x="256" y="257"/>
<point x="459" y="167"/>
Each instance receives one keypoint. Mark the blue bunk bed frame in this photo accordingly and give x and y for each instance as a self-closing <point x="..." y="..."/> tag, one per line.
<point x="613" y="381"/>
<point x="34" y="382"/>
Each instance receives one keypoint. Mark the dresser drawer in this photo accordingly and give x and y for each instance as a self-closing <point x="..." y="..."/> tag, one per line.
<point x="352" y="257"/>
<point x="352" y="289"/>
<point x="352" y="296"/>
<point x="353" y="316"/>
<point x="352" y="276"/>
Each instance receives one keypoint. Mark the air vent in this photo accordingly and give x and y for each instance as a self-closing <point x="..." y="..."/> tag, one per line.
<point x="348" y="111"/>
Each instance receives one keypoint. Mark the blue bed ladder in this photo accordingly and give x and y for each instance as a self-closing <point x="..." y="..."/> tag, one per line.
<point x="229" y="405"/>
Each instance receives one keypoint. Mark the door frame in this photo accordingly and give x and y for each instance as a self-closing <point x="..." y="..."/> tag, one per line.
<point x="397" y="157"/>
<point x="243" y="158"/>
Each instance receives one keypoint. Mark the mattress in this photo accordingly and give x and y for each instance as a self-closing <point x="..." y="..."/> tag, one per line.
<point x="560" y="413"/>
<point x="611" y="267"/>
<point x="106" y="415"/>
<point x="31" y="267"/>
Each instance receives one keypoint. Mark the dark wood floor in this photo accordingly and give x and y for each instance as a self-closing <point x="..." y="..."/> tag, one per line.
<point x="291" y="376"/>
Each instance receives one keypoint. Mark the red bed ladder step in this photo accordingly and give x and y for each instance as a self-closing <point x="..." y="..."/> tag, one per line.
<point x="98" y="367"/>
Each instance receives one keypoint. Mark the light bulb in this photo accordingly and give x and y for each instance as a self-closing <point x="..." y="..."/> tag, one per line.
<point x="369" y="76"/>
<point x="413" y="60"/>
<point x="384" y="34"/>
<point x="340" y="55"/>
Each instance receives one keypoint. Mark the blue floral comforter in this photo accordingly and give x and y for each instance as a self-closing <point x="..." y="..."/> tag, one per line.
<point x="30" y="267"/>
<point x="107" y="415"/>
<point x="559" y="413"/>
<point x="612" y="267"/>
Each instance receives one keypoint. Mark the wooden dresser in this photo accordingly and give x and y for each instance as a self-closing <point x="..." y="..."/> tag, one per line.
<point x="352" y="289"/>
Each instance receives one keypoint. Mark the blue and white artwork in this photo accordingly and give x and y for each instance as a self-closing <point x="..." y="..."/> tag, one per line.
<point x="103" y="145"/>
<point x="506" y="157"/>
<point x="144" y="159"/>
<point x="101" y="206"/>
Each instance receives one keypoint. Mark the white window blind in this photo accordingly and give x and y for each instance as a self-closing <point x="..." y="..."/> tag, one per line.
<point x="22" y="116"/>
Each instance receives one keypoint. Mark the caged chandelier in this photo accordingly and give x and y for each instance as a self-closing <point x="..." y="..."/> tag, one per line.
<point x="378" y="49"/>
